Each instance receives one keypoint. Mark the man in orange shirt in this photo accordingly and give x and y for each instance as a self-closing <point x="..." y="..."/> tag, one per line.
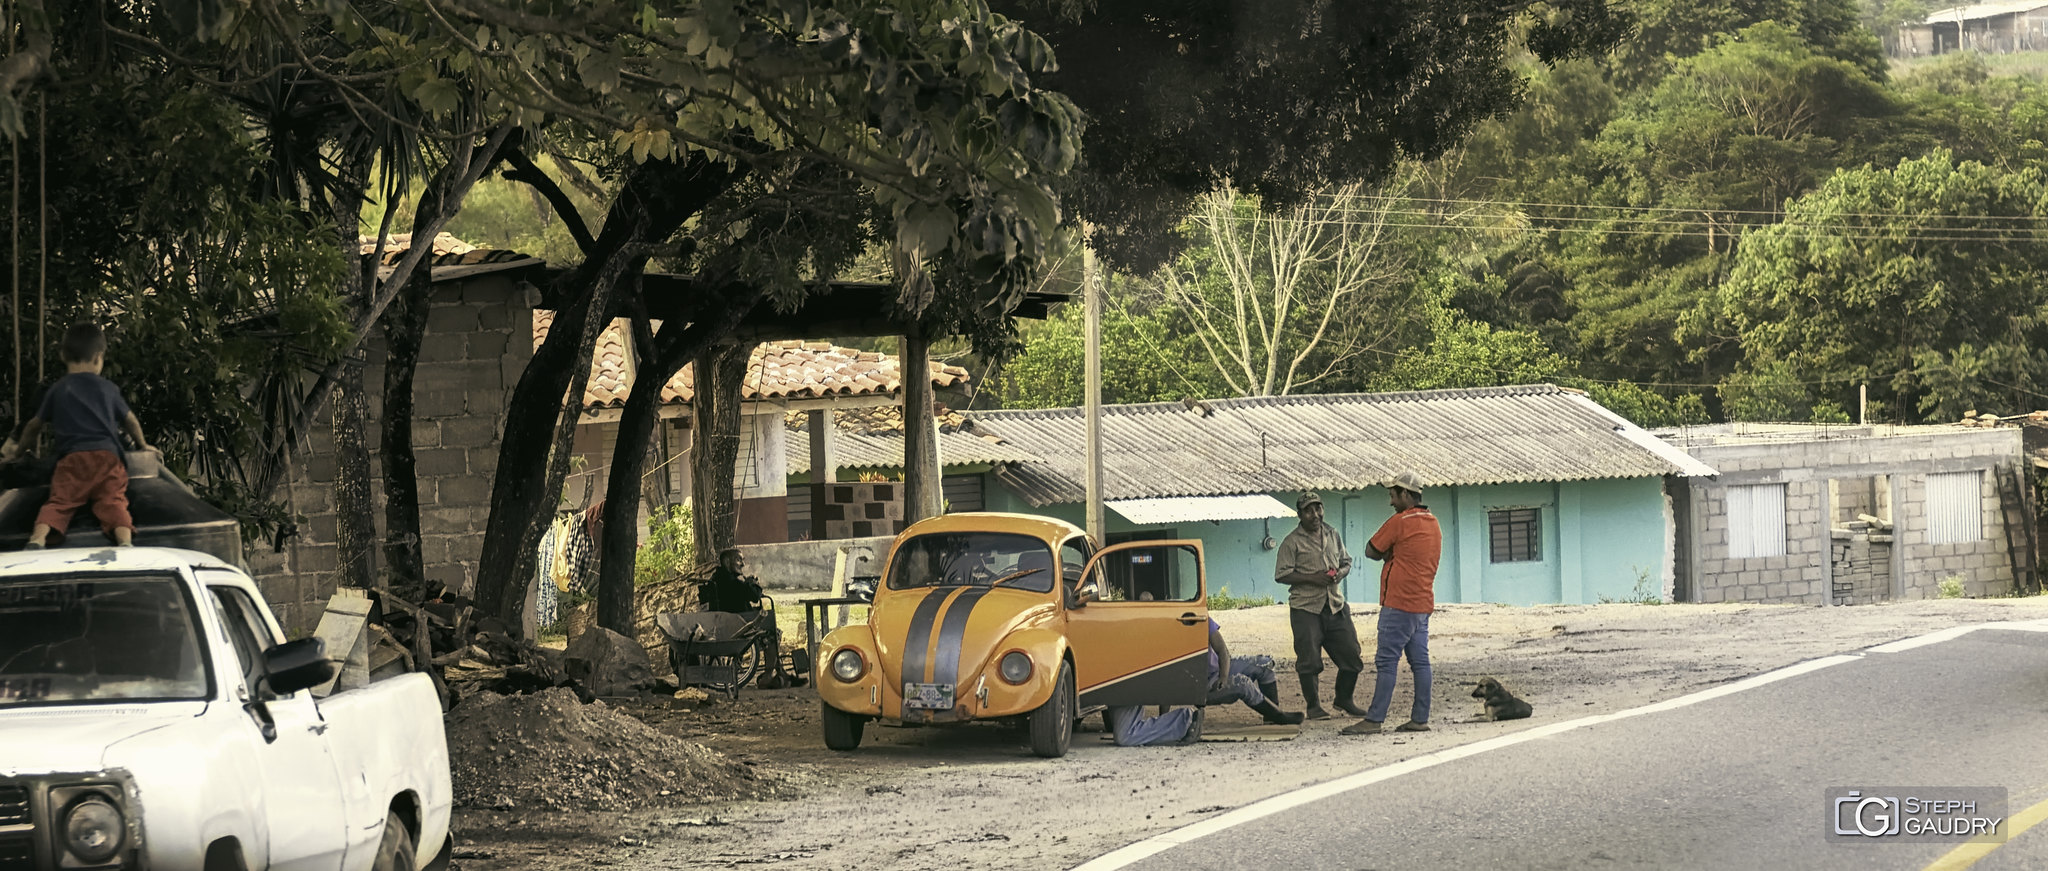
<point x="1410" y="543"/>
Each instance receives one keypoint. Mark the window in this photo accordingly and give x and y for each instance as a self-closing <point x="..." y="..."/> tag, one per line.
<point x="1157" y="573"/>
<point x="1074" y="556"/>
<point x="943" y="559"/>
<point x="246" y="630"/>
<point x="1756" y="521"/>
<point x="1517" y="535"/>
<point x="1955" y="507"/>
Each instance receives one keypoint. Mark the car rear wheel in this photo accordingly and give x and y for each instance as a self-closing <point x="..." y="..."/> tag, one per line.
<point x="842" y="730"/>
<point x="395" y="851"/>
<point x="1052" y="725"/>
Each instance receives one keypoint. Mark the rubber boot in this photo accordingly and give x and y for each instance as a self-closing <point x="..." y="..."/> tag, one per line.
<point x="1271" y="691"/>
<point x="1346" y="682"/>
<point x="1275" y="716"/>
<point x="1308" y="699"/>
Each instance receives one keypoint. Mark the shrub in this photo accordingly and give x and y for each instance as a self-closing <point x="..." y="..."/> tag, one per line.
<point x="1952" y="587"/>
<point x="670" y="548"/>
<point x="1222" y="600"/>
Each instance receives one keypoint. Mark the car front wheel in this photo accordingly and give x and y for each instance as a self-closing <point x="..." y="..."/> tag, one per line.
<point x="395" y="851"/>
<point x="1052" y="725"/>
<point x="842" y="730"/>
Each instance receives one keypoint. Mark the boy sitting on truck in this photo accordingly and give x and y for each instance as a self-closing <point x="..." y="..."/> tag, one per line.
<point x="86" y="416"/>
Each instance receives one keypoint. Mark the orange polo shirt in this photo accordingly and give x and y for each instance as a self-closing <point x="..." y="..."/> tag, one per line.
<point x="1413" y="543"/>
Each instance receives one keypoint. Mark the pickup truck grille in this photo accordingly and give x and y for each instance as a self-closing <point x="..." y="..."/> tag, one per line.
<point x="13" y="806"/>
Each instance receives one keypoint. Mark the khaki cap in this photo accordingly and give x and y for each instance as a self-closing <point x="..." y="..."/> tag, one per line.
<point x="1307" y="498"/>
<point x="1406" y="480"/>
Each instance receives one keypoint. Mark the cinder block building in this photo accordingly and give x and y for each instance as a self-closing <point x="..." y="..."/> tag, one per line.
<point x="1842" y="514"/>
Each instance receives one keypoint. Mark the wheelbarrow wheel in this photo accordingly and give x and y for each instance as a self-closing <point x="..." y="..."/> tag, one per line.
<point x="842" y="730"/>
<point x="745" y="665"/>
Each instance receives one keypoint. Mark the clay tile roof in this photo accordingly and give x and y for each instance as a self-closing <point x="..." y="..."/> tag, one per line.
<point x="776" y="370"/>
<point x="450" y="254"/>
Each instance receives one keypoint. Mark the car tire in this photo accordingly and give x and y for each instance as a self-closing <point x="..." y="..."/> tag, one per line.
<point x="1052" y="725"/>
<point x="842" y="730"/>
<point x="395" y="852"/>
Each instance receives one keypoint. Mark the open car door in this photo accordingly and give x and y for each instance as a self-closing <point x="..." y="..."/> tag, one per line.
<point x="1143" y="639"/>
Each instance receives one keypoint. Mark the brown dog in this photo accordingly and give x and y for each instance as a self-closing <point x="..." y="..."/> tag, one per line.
<point x="1500" y="704"/>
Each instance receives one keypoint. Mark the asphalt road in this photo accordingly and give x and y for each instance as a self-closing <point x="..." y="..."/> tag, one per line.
<point x="1737" y="781"/>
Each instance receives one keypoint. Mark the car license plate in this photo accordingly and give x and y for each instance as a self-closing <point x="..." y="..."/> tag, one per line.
<point x="928" y="696"/>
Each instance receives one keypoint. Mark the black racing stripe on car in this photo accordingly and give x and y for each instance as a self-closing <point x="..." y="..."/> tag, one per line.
<point x="918" y="640"/>
<point x="1183" y="681"/>
<point x="952" y="635"/>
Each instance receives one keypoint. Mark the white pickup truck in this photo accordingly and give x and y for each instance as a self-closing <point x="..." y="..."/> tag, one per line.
<point x="152" y="716"/>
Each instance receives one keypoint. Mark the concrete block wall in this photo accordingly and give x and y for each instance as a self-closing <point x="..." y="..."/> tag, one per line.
<point x="1984" y="564"/>
<point x="1803" y="574"/>
<point x="477" y="344"/>
<point x="1797" y="576"/>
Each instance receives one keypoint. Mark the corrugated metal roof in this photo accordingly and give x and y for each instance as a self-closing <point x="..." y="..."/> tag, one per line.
<point x="1979" y="11"/>
<point x="1177" y="509"/>
<point x="1351" y="441"/>
<point x="884" y="450"/>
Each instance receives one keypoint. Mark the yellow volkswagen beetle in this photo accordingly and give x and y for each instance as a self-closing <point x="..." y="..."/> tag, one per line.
<point x="986" y="616"/>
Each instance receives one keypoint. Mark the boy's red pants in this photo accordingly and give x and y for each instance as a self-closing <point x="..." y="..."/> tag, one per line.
<point x="98" y="477"/>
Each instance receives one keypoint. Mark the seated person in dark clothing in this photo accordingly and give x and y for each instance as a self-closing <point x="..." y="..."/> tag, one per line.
<point x="732" y="592"/>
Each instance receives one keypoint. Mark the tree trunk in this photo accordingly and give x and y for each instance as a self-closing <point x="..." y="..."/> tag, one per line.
<point x="637" y="421"/>
<point x="405" y="326"/>
<point x="921" y="477"/>
<point x="355" y="524"/>
<point x="715" y="447"/>
<point x="655" y="200"/>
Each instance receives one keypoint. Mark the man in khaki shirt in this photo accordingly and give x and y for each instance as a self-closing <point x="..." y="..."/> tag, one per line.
<point x="1313" y="563"/>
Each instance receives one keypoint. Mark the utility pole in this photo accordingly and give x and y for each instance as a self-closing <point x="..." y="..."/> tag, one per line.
<point x="1091" y="296"/>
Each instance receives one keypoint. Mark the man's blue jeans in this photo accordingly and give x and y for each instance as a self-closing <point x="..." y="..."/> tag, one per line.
<point x="1401" y="632"/>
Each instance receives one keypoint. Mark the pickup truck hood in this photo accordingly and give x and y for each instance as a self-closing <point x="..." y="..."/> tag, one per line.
<point x="77" y="737"/>
<point x="946" y="634"/>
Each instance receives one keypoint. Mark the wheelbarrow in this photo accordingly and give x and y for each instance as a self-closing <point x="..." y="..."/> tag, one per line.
<point x="716" y="650"/>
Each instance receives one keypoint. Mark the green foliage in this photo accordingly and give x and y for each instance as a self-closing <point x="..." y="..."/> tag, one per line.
<point x="1951" y="587"/>
<point x="1466" y="353"/>
<point x="669" y="549"/>
<point x="1646" y="591"/>
<point x="1222" y="600"/>
<point x="1934" y="325"/>
<point x="1144" y="359"/>
<point x="1281" y="98"/>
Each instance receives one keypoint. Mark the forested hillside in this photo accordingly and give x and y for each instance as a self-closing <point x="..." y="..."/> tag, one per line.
<point x="1745" y="213"/>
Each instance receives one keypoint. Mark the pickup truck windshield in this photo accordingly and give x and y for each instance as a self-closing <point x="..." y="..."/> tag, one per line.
<point x="103" y="639"/>
<point x="942" y="559"/>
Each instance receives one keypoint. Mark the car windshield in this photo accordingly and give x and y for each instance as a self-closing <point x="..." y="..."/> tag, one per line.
<point x="941" y="559"/>
<point x="115" y="638"/>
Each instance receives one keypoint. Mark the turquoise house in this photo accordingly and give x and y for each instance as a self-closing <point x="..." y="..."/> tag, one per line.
<point x="1544" y="495"/>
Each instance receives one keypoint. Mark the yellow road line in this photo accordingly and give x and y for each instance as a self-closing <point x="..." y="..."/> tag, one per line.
<point x="1968" y="854"/>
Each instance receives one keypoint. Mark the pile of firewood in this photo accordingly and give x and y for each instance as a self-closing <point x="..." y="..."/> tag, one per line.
<point x="466" y="651"/>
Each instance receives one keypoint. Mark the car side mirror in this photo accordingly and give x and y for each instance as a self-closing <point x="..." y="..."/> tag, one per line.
<point x="1083" y="594"/>
<point x="296" y="665"/>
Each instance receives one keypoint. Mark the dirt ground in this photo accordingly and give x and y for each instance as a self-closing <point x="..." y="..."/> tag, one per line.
<point x="975" y="797"/>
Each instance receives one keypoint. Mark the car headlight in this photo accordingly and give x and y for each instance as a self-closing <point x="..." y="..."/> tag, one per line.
<point x="848" y="666"/>
<point x="94" y="829"/>
<point x="1015" y="667"/>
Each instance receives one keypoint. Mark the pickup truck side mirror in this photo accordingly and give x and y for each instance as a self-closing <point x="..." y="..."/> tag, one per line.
<point x="296" y="665"/>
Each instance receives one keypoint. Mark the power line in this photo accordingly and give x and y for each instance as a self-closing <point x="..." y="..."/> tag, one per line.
<point x="1535" y="225"/>
<point x="1523" y="204"/>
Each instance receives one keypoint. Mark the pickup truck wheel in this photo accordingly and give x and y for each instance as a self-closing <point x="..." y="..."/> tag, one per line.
<point x="395" y="852"/>
<point x="842" y="730"/>
<point x="1052" y="725"/>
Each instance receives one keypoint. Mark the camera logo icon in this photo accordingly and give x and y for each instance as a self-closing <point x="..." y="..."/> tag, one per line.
<point x="1870" y="816"/>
